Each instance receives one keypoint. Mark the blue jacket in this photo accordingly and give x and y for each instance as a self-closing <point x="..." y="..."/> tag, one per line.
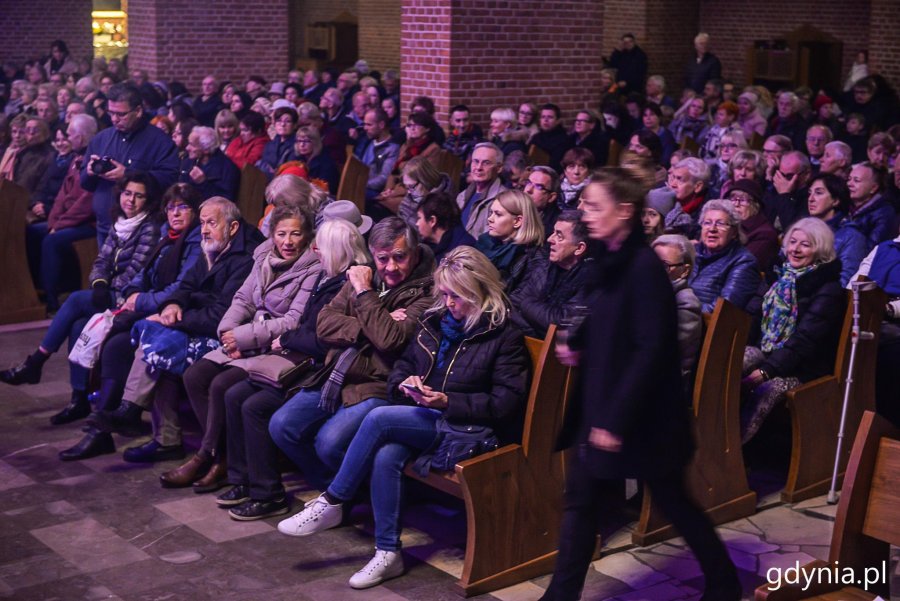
<point x="222" y="176"/>
<point x="147" y="148"/>
<point x="875" y="220"/>
<point x="850" y="245"/>
<point x="885" y="269"/>
<point x="151" y="291"/>
<point x="731" y="273"/>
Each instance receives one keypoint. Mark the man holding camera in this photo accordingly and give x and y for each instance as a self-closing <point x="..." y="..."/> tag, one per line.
<point x="131" y="144"/>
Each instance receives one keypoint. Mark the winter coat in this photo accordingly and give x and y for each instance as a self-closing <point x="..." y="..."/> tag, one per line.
<point x="380" y="159"/>
<point x="762" y="240"/>
<point x="786" y="208"/>
<point x="555" y="143"/>
<point x="549" y="295"/>
<point x="278" y="150"/>
<point x="630" y="381"/>
<point x="486" y="377"/>
<point x="697" y="73"/>
<point x="258" y="316"/>
<point x="456" y="236"/>
<point x="248" y="153"/>
<point x="810" y="351"/>
<point x="206" y="291"/>
<point x="731" y="273"/>
<point x="52" y="179"/>
<point x="151" y="289"/>
<point x="597" y="142"/>
<point x="303" y="337"/>
<point x="476" y="223"/>
<point x="72" y="205"/>
<point x="850" y="245"/>
<point x="118" y="260"/>
<point x="365" y="321"/>
<point x="875" y="219"/>
<point x="222" y="176"/>
<point x="409" y="206"/>
<point x="31" y="164"/>
<point x="690" y="324"/>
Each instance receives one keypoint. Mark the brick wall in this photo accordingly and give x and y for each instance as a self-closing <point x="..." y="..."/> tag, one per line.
<point x="29" y="28"/>
<point x="671" y="27"/>
<point x="176" y="39"/>
<point x="884" y="49"/>
<point x="425" y="27"/>
<point x="379" y="33"/>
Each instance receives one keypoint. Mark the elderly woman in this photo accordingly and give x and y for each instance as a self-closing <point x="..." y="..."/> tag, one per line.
<point x="577" y="164"/>
<point x="257" y="492"/>
<point x="760" y="238"/>
<point x="745" y="164"/>
<point x="514" y="237"/>
<point x="207" y="167"/>
<point x="226" y="126"/>
<point x="320" y="168"/>
<point x="280" y="147"/>
<point x="248" y="146"/>
<point x="690" y="121"/>
<point x="724" y="268"/>
<point x="419" y="143"/>
<point x="749" y="118"/>
<point x="268" y="304"/>
<point x="801" y="323"/>
<point x="829" y="200"/>
<point x="467" y="327"/>
<point x="505" y="134"/>
<point x="35" y="157"/>
<point x="880" y="149"/>
<point x="723" y="123"/>
<point x="124" y="253"/>
<point x="729" y="143"/>
<point x="688" y="178"/>
<point x="419" y="179"/>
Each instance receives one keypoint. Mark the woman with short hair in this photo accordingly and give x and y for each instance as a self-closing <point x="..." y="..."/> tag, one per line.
<point x="226" y="125"/>
<point x="207" y="167"/>
<point x="829" y="200"/>
<point x="420" y="178"/>
<point x="280" y="147"/>
<point x="760" y="238"/>
<point x="248" y="146"/>
<point x="320" y="168"/>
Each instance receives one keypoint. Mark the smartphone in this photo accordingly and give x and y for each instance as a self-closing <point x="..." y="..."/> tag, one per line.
<point x="412" y="388"/>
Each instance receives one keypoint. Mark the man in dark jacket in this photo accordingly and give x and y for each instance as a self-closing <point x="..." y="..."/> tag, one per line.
<point x="703" y="67"/>
<point x="786" y="201"/>
<point x="208" y="104"/>
<point x="542" y="186"/>
<point x="630" y="63"/>
<point x="131" y="144"/>
<point x="551" y="295"/>
<point x="207" y="167"/>
<point x="552" y="138"/>
<point x="376" y="151"/>
<point x="195" y="308"/>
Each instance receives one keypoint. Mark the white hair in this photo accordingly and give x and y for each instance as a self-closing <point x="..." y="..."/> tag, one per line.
<point x="207" y="137"/>
<point x="85" y="125"/>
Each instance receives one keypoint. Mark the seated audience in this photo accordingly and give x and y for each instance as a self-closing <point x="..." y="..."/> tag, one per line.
<point x="16" y="142"/>
<point x="181" y="132"/>
<point x="869" y="210"/>
<point x="35" y="157"/>
<point x="788" y="121"/>
<point x="760" y="238"/>
<point x="723" y="268"/>
<point x="227" y="126"/>
<point x="688" y="179"/>
<point x="660" y="201"/>
<point x="247" y="148"/>
<point x="723" y="123"/>
<point x="577" y="164"/>
<point x="880" y="149"/>
<point x="487" y="385"/>
<point x="419" y="143"/>
<point x="652" y="120"/>
<point x="439" y="224"/>
<point x="464" y="134"/>
<point x="41" y="202"/>
<point x="526" y="121"/>
<point x="690" y="121"/>
<point x="376" y="151"/>
<point x="730" y="142"/>
<point x="774" y="149"/>
<point x="505" y="135"/>
<point x="829" y="199"/>
<point x="552" y="137"/>
<point x="817" y="137"/>
<point x="588" y="133"/>
<point x="802" y="315"/>
<point x="309" y="151"/>
<point x="837" y="159"/>
<point x="542" y="185"/>
<point x="785" y="202"/>
<point x="207" y="168"/>
<point x="475" y="201"/>
<point x="278" y="150"/>
<point x="749" y="118"/>
<point x="419" y="178"/>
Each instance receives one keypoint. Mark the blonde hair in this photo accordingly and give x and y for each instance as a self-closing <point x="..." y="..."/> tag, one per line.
<point x="340" y="245"/>
<point x="518" y="203"/>
<point x="471" y="276"/>
<point x="820" y="235"/>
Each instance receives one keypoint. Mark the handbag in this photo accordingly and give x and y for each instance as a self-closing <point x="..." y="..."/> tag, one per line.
<point x="455" y="443"/>
<point x="86" y="350"/>
<point x="279" y="369"/>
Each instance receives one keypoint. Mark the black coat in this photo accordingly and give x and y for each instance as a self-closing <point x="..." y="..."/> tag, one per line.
<point x="550" y="296"/>
<point x="222" y="176"/>
<point x="206" y="293"/>
<point x="555" y="143"/>
<point x="630" y="376"/>
<point x="303" y="338"/>
<point x="486" y="379"/>
<point x="810" y="351"/>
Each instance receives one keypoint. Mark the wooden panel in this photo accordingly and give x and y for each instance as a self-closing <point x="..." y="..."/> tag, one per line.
<point x="86" y="250"/>
<point x="18" y="298"/>
<point x="353" y="183"/>
<point x="537" y="156"/>
<point x="453" y="166"/>
<point x="252" y="194"/>
<point x="883" y="512"/>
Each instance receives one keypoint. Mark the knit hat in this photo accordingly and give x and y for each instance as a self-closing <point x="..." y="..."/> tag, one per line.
<point x="748" y="186"/>
<point x="661" y="200"/>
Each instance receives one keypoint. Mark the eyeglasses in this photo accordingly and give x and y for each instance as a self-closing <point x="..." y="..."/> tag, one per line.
<point x="739" y="200"/>
<point x="285" y="121"/>
<point x="671" y="266"/>
<point x="729" y="146"/>
<point x="540" y="187"/>
<point x="179" y="208"/>
<point x="526" y="113"/>
<point x="719" y="225"/>
<point x="303" y="141"/>
<point x="119" y="114"/>
<point x="583" y="121"/>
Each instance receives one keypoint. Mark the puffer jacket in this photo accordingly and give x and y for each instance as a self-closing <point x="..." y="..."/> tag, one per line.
<point x="151" y="288"/>
<point x="485" y="379"/>
<point x="809" y="353"/>
<point x="730" y="273"/>
<point x="257" y="316"/>
<point x="850" y="245"/>
<point x="548" y="295"/>
<point x="119" y="260"/>
<point x="365" y="322"/>
<point x="690" y="324"/>
<point x="875" y="220"/>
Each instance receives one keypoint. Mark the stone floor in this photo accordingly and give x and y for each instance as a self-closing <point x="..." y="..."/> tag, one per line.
<point x="104" y="529"/>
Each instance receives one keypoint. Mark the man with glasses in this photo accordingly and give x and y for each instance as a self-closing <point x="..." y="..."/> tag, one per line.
<point x="476" y="199"/>
<point x="786" y="201"/>
<point x="817" y="137"/>
<point x="131" y="144"/>
<point x="542" y="186"/>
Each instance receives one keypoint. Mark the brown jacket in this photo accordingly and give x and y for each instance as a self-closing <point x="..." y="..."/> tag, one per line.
<point x="366" y="321"/>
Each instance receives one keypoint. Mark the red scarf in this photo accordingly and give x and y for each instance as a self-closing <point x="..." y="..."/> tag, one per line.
<point x="693" y="203"/>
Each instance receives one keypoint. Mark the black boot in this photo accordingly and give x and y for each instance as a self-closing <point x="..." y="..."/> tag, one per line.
<point x="94" y="443"/>
<point x="27" y="372"/>
<point x="126" y="420"/>
<point x="78" y="408"/>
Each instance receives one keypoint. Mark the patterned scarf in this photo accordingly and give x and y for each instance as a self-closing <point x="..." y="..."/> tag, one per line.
<point x="453" y="331"/>
<point x="780" y="309"/>
<point x="570" y="192"/>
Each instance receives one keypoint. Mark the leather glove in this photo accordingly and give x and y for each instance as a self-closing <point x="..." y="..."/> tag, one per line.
<point x="100" y="296"/>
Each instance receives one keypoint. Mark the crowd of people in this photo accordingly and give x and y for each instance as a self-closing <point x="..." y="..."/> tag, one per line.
<point x="345" y="339"/>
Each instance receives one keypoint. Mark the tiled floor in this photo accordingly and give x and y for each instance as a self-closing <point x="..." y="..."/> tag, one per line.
<point x="103" y="529"/>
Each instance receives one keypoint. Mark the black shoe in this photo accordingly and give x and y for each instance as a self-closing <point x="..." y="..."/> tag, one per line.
<point x="78" y="408"/>
<point x="730" y="591"/>
<point x="259" y="510"/>
<point x="27" y="372"/>
<point x="126" y="420"/>
<point x="234" y="496"/>
<point x="93" y="444"/>
<point x="152" y="451"/>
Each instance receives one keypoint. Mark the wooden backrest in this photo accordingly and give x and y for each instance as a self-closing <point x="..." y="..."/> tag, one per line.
<point x="868" y="515"/>
<point x="718" y="379"/>
<point x="86" y="250"/>
<point x="871" y="310"/>
<point x="18" y="289"/>
<point x="452" y="165"/>
<point x="537" y="156"/>
<point x="615" y="150"/>
<point x="688" y="143"/>
<point x="251" y="198"/>
<point x="353" y="182"/>
<point x="756" y="141"/>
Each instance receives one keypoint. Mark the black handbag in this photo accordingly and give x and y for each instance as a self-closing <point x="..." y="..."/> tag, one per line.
<point x="455" y="443"/>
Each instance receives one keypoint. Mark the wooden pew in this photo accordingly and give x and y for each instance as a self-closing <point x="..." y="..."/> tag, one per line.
<point x="537" y="156"/>
<point x="452" y="165"/>
<point x="354" y="178"/>
<point x="866" y="525"/>
<point x="815" y="407"/>
<point x="615" y="151"/>
<point x="688" y="143"/>
<point x="716" y="478"/>
<point x="86" y="250"/>
<point x="756" y="142"/>
<point x="513" y="496"/>
<point x="18" y="298"/>
<point x="251" y="198"/>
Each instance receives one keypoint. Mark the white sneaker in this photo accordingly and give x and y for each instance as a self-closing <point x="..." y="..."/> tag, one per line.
<point x="317" y="515"/>
<point x="384" y="566"/>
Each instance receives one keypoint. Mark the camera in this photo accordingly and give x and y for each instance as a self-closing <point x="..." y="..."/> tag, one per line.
<point x="102" y="165"/>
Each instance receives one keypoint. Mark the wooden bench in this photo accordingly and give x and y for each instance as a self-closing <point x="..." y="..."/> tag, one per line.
<point x="537" y="156"/>
<point x="866" y="525"/>
<point x="615" y="151"/>
<point x="815" y="406"/>
<point x="513" y="496"/>
<point x="251" y="198"/>
<point x="451" y="165"/>
<point x="86" y="251"/>
<point x="756" y="142"/>
<point x="18" y="298"/>
<point x="354" y="178"/>
<point x="716" y="477"/>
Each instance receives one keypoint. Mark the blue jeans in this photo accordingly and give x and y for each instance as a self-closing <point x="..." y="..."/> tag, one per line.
<point x="386" y="440"/>
<point x="315" y="440"/>
<point x="68" y="323"/>
<point x="47" y="253"/>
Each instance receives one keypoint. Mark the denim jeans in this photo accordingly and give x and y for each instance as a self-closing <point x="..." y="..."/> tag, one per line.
<point x="315" y="440"/>
<point x="386" y="440"/>
<point x="68" y="323"/>
<point x="48" y="253"/>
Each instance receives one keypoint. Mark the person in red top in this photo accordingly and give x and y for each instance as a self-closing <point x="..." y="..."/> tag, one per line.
<point x="248" y="147"/>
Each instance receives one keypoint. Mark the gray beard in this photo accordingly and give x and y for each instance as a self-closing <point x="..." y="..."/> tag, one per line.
<point x="213" y="248"/>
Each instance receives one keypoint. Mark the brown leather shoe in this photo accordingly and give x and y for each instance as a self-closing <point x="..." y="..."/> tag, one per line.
<point x="215" y="478"/>
<point x="187" y="473"/>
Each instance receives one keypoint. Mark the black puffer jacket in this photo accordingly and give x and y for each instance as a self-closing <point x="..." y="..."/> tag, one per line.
<point x="548" y="295"/>
<point x="810" y="351"/>
<point x="206" y="293"/>
<point x="486" y="379"/>
<point x="303" y="338"/>
<point x="120" y="259"/>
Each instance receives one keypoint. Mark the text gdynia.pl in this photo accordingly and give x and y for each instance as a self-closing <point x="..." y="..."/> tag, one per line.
<point x="830" y="574"/>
